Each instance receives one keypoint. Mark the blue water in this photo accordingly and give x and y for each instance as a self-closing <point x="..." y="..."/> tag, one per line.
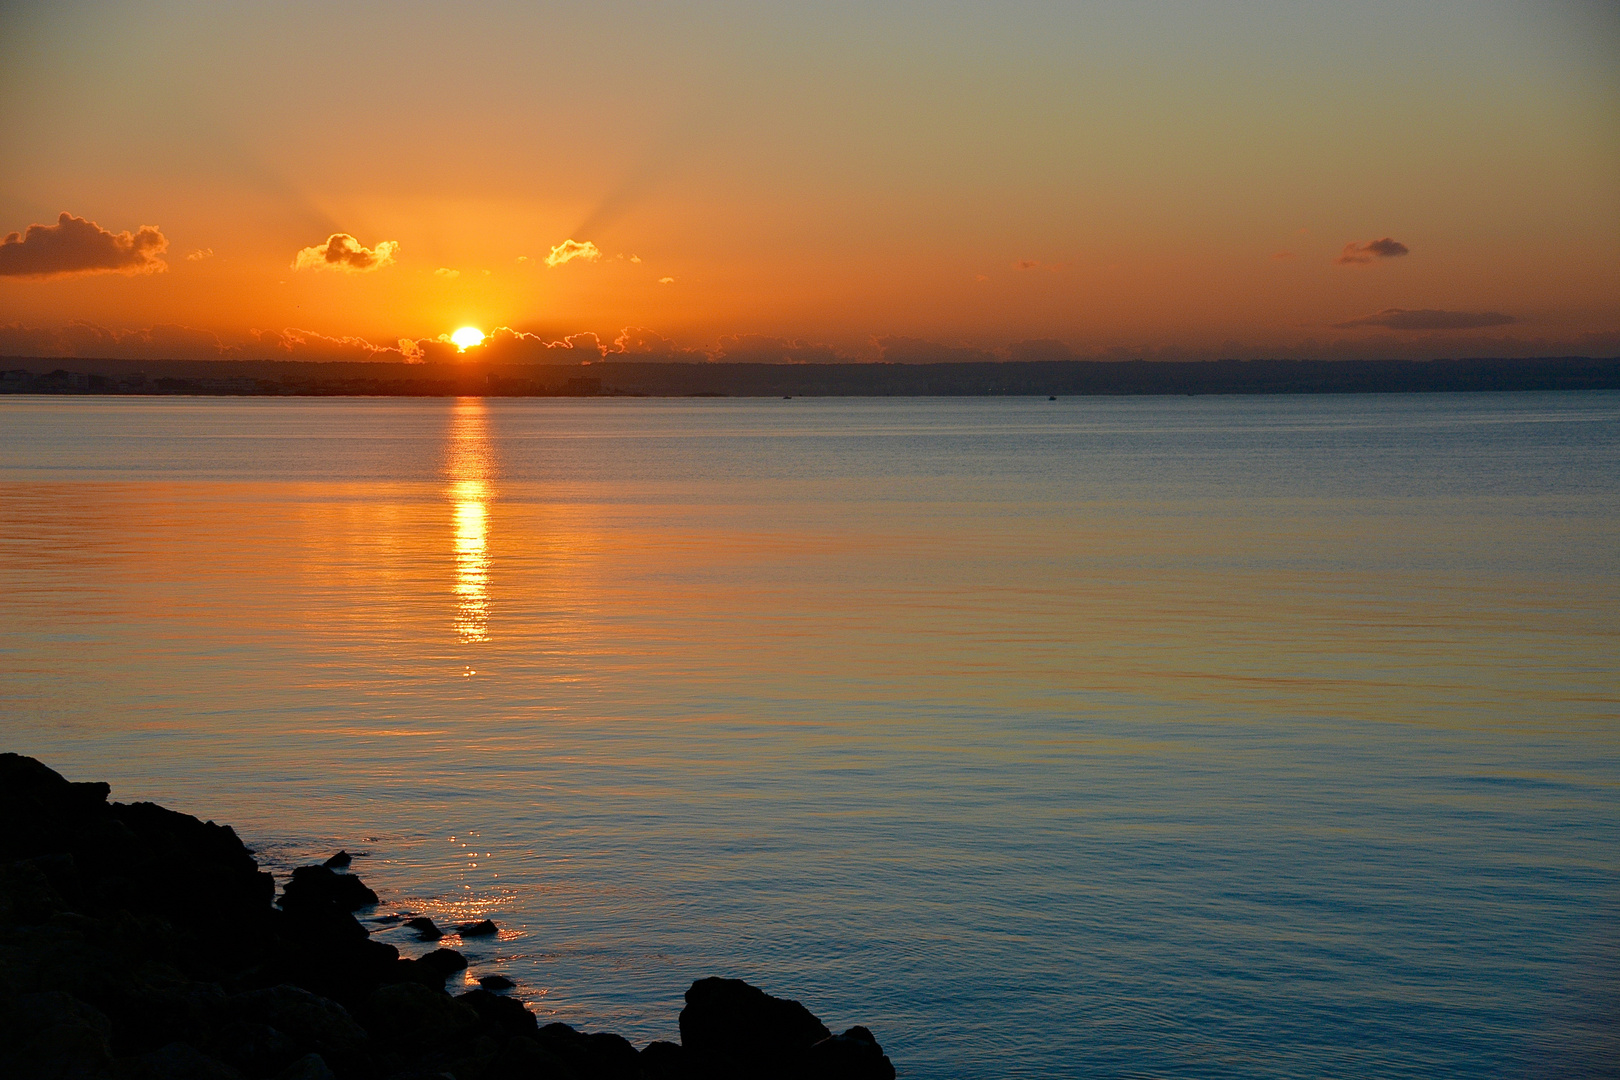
<point x="1209" y="737"/>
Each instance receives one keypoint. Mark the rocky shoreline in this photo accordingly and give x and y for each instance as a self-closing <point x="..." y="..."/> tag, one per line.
<point x="138" y="943"/>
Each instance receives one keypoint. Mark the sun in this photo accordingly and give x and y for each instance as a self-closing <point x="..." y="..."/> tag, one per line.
<point x="467" y="337"/>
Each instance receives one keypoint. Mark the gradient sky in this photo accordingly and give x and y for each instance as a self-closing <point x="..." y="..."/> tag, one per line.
<point x="1154" y="177"/>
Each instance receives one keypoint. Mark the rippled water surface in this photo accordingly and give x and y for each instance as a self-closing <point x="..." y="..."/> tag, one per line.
<point x="1213" y="737"/>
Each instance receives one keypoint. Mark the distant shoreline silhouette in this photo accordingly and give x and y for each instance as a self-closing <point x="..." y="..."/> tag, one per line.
<point x="609" y="378"/>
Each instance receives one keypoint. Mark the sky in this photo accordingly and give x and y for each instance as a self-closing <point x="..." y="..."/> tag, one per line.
<point x="801" y="182"/>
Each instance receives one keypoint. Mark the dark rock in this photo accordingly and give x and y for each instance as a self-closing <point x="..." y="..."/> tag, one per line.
<point x="610" y="1057"/>
<point x="308" y="1067"/>
<point x="424" y="928"/>
<point x="854" y="1055"/>
<point x="178" y="1061"/>
<point x="527" y="1059"/>
<point x="733" y="1030"/>
<point x="442" y="962"/>
<point x="482" y="928"/>
<point x="663" y="1061"/>
<point x="511" y="1017"/>
<point x="313" y="1024"/>
<point x="54" y="1034"/>
<point x="496" y="982"/>
<point x="338" y="861"/>
<point x="256" y="1049"/>
<point x="415" y="1018"/>
<point x="321" y="885"/>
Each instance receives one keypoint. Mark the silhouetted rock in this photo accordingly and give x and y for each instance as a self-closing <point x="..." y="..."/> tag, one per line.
<point x="733" y="1030"/>
<point x="512" y="1017"/>
<point x="482" y="928"/>
<point x="424" y="928"/>
<point x="137" y="943"/>
<point x="854" y="1055"/>
<point x="338" y="861"/>
<point x="320" y="885"/>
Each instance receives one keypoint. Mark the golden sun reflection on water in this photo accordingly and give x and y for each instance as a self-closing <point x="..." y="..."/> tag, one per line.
<point x="468" y="462"/>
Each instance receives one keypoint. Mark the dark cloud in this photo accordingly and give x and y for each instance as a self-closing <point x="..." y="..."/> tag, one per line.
<point x="758" y="349"/>
<point x="1430" y="319"/>
<point x="1040" y="349"/>
<point x="76" y="246"/>
<point x="639" y="343"/>
<point x="86" y="339"/>
<point x="340" y="251"/>
<point x="905" y="350"/>
<point x="1384" y="248"/>
<point x="295" y="344"/>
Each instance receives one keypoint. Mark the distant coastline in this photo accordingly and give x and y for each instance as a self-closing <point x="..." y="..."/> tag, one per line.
<point x="614" y="378"/>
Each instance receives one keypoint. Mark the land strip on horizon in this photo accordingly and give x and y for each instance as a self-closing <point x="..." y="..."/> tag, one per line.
<point x="622" y="378"/>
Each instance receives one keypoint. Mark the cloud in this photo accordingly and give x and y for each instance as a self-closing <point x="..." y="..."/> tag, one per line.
<point x="1429" y="319"/>
<point x="639" y="343"/>
<point x="635" y="258"/>
<point x="343" y="252"/>
<point x="447" y="273"/>
<point x="84" y="339"/>
<point x="666" y="281"/>
<point x="569" y="250"/>
<point x="76" y="246"/>
<point x="758" y="349"/>
<point x="1384" y="248"/>
<point x="200" y="254"/>
<point x="295" y="344"/>
<point x="904" y="350"/>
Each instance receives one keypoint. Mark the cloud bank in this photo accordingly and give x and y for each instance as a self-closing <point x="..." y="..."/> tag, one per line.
<point x="1429" y="319"/>
<point x="77" y="246"/>
<point x="340" y="251"/>
<point x="1372" y="250"/>
<point x="569" y="250"/>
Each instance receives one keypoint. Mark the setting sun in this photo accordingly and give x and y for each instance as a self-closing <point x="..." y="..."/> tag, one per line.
<point x="467" y="337"/>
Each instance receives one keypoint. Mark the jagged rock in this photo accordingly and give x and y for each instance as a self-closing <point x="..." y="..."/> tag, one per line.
<point x="482" y="928"/>
<point x="496" y="982"/>
<point x="731" y="1029"/>
<point x="424" y="928"/>
<point x="854" y="1055"/>
<point x="256" y="1049"/>
<point x="338" y="861"/>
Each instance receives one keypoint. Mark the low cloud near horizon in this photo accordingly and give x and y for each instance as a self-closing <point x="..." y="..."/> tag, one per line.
<point x="343" y="252"/>
<point x="75" y="245"/>
<point x="1429" y="319"/>
<point x="1383" y="248"/>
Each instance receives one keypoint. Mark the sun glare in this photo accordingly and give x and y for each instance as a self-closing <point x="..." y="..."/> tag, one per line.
<point x="467" y="337"/>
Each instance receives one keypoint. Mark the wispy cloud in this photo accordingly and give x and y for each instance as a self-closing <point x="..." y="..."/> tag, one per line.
<point x="77" y="246"/>
<point x="569" y="250"/>
<point x="1429" y="319"/>
<point x="447" y="273"/>
<point x="200" y="254"/>
<point x="340" y="251"/>
<point x="1384" y="248"/>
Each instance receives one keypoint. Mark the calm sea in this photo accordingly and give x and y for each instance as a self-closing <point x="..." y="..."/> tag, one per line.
<point x="1203" y="737"/>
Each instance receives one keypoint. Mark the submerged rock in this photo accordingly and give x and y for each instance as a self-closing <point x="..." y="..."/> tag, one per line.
<point x="482" y="928"/>
<point x="424" y="928"/>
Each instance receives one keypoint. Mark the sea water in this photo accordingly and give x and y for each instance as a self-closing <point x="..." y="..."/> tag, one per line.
<point x="1211" y="737"/>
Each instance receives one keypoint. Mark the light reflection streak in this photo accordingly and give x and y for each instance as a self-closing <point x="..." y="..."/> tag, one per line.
<point x="468" y="462"/>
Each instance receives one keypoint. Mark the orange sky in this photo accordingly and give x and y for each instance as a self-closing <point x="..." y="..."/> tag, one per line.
<point x="1154" y="178"/>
